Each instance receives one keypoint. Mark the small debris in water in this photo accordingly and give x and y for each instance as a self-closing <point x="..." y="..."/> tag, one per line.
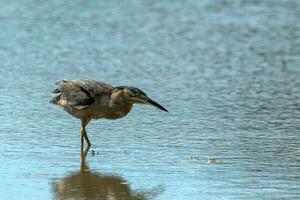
<point x="211" y="160"/>
<point x="195" y="158"/>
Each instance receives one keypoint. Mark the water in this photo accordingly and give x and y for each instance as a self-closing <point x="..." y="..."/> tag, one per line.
<point x="228" y="72"/>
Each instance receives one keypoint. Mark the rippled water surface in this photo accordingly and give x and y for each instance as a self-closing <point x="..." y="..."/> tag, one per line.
<point x="228" y="72"/>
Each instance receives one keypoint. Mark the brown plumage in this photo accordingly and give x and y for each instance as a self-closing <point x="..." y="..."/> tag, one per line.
<point x="89" y="99"/>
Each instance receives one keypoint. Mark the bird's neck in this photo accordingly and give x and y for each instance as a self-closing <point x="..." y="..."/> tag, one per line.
<point x="119" y="107"/>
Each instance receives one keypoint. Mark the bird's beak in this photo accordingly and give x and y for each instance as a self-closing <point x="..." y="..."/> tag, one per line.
<point x="155" y="104"/>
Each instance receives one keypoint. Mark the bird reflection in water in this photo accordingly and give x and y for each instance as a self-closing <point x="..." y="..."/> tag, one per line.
<point x="89" y="185"/>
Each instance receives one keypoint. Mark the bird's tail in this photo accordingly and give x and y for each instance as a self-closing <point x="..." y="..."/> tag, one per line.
<point x="55" y="99"/>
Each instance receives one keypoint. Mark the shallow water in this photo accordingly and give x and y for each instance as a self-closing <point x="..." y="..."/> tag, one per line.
<point x="227" y="71"/>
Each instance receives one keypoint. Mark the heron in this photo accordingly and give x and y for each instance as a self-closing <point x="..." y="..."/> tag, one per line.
<point x="90" y="99"/>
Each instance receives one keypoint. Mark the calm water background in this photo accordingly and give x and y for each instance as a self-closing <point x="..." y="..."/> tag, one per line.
<point x="228" y="71"/>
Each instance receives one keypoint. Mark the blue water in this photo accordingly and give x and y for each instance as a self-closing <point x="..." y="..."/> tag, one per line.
<point x="228" y="72"/>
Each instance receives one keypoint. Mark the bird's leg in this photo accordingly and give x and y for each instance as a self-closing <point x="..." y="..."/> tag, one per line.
<point x="81" y="136"/>
<point x="83" y="154"/>
<point x="83" y="133"/>
<point x="87" y="139"/>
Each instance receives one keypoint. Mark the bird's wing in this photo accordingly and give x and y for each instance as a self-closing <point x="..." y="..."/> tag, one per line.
<point x="81" y="93"/>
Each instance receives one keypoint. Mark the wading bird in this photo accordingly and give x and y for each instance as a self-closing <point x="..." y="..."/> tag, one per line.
<point x="89" y="99"/>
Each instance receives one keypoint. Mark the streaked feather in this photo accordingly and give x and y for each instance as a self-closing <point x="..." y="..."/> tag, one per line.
<point x="80" y="93"/>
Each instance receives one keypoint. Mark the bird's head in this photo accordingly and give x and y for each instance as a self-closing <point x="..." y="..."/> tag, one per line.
<point x="135" y="95"/>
